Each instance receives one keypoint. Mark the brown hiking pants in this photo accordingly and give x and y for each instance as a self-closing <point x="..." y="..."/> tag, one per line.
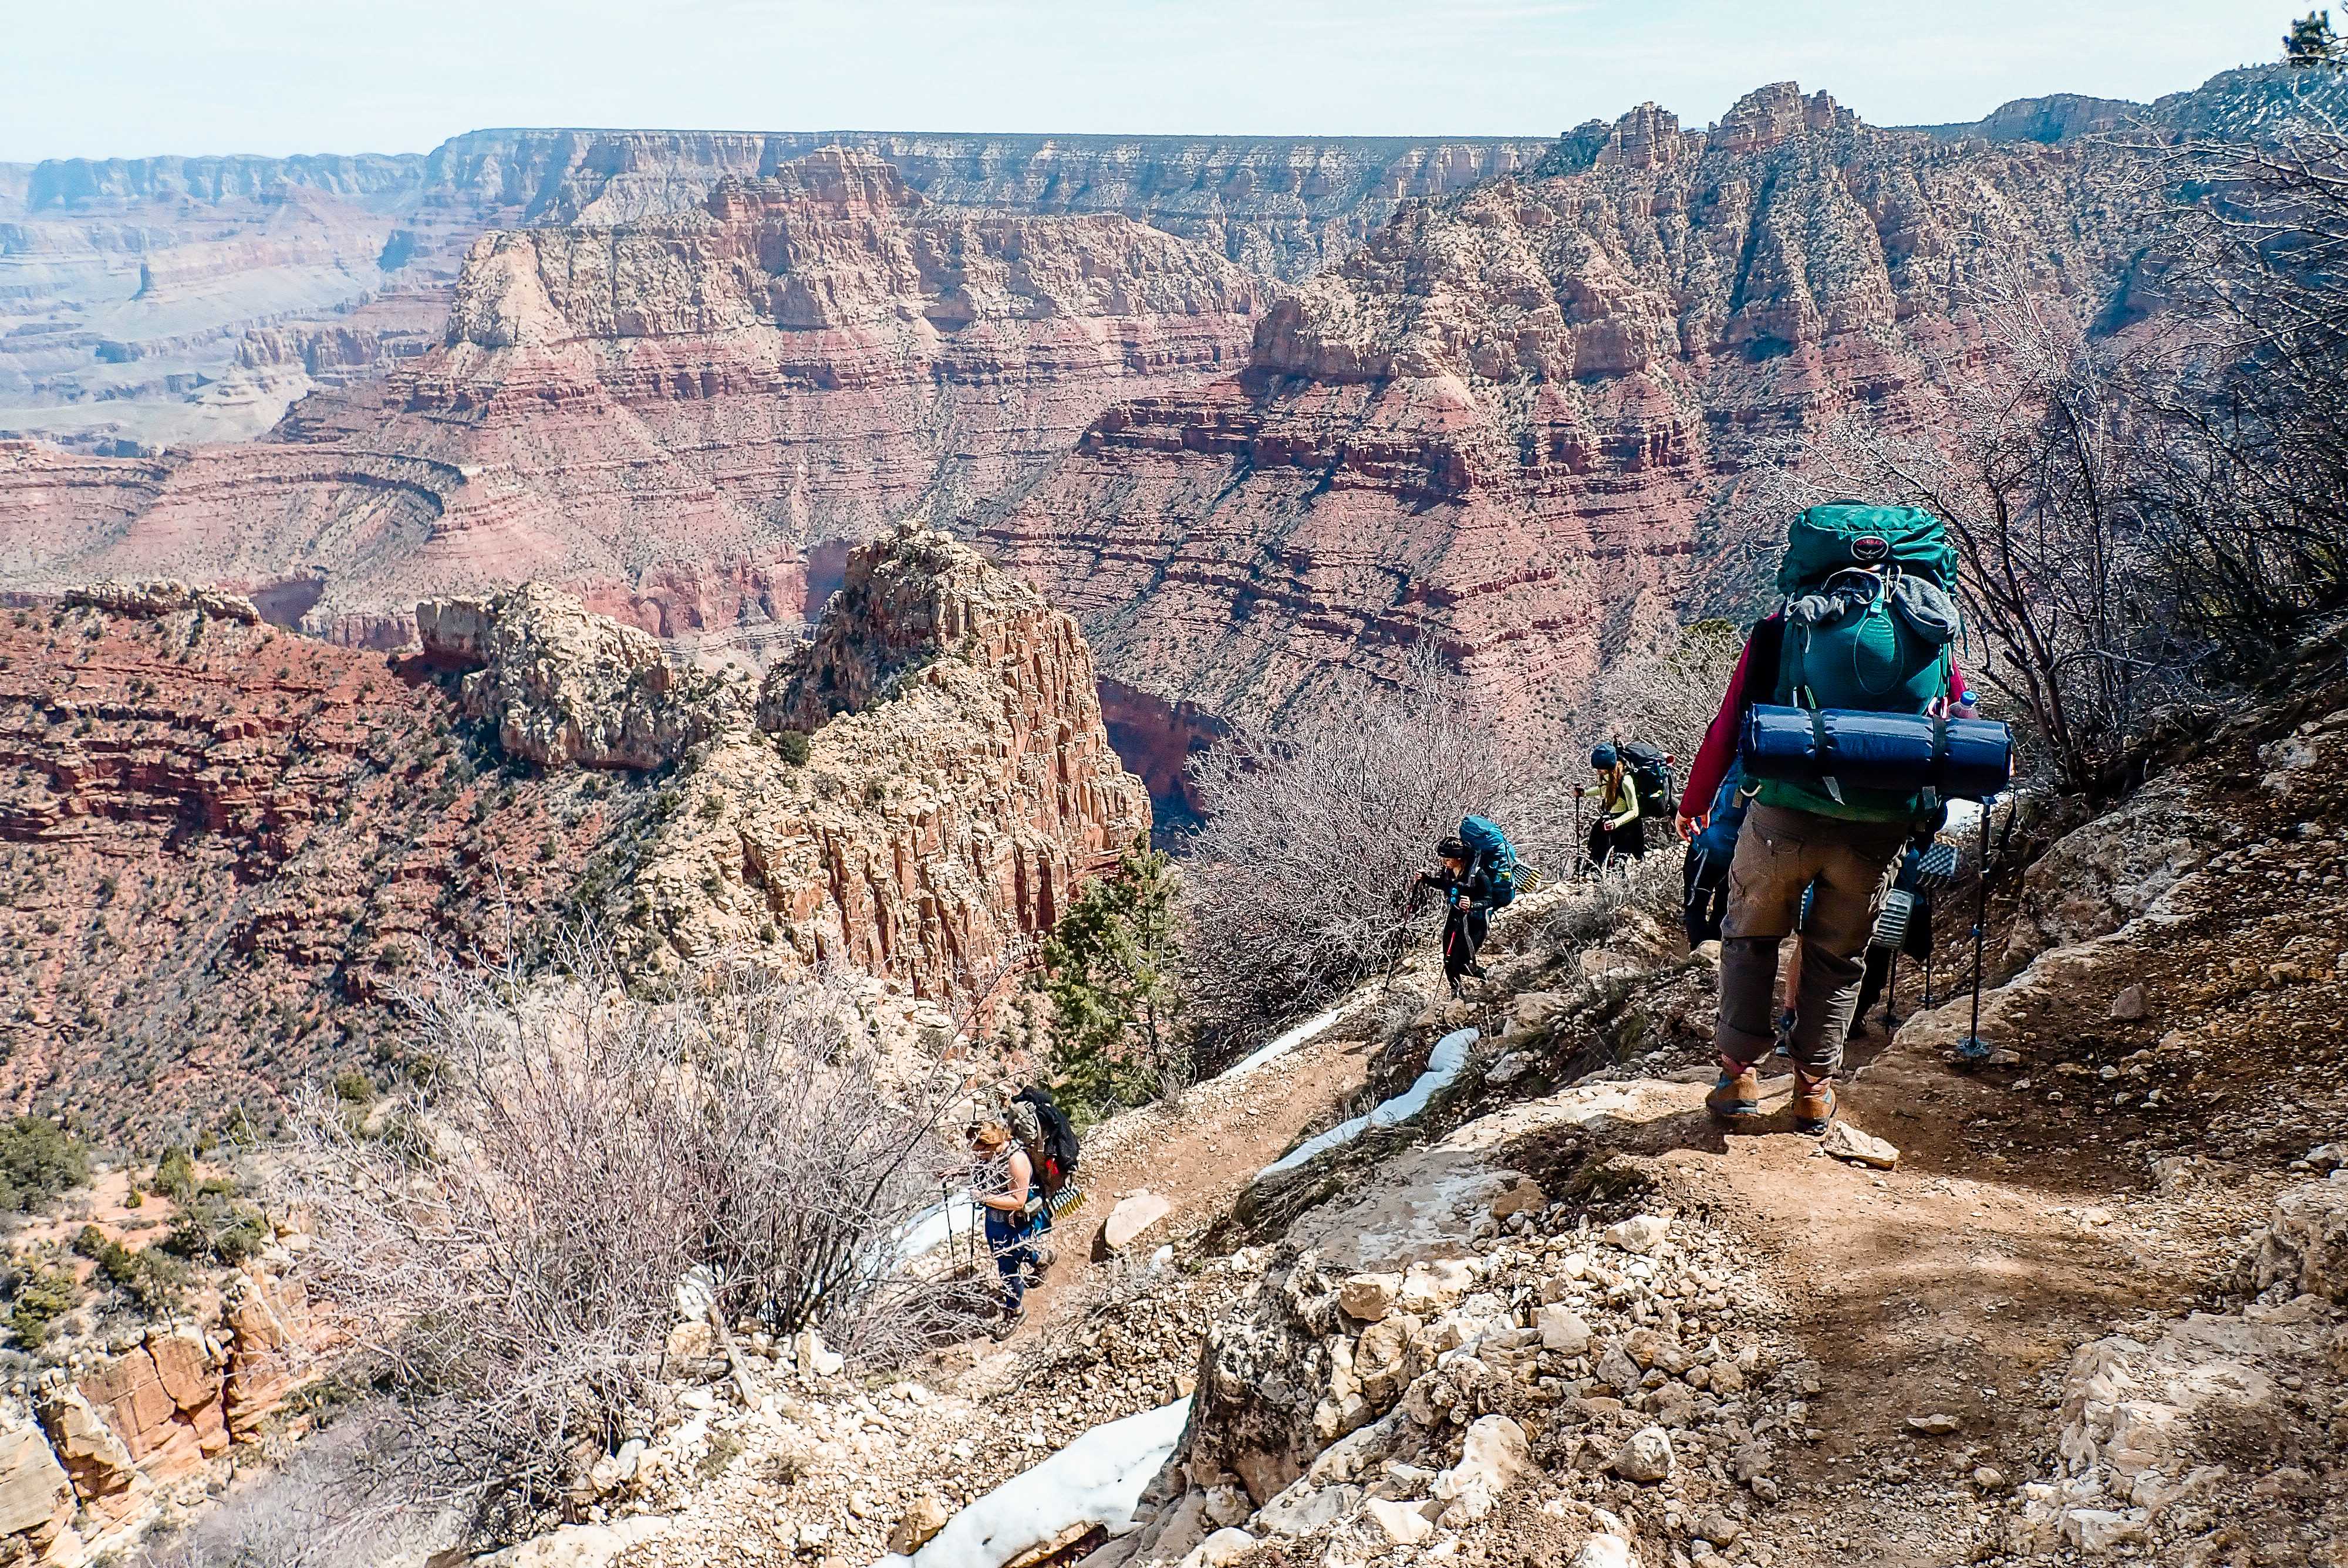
<point x="1780" y="852"/>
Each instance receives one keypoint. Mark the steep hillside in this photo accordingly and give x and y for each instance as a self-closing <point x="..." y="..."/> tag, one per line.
<point x="685" y="420"/>
<point x="1500" y="425"/>
<point x="225" y="845"/>
<point x="2083" y="1304"/>
<point x="220" y="845"/>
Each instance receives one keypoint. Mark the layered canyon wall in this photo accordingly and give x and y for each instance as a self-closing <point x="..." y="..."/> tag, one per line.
<point x="1501" y="424"/>
<point x="685" y="420"/>
<point x="146" y="303"/>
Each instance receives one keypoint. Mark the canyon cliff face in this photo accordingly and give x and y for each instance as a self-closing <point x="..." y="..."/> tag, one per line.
<point x="1500" y="425"/>
<point x="221" y="846"/>
<point x="686" y="421"/>
<point x="146" y="303"/>
<point x="225" y="845"/>
<point x="930" y="783"/>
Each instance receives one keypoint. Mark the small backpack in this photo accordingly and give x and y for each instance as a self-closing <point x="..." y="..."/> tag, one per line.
<point x="1055" y="1161"/>
<point x="1491" y="850"/>
<point x="1651" y="774"/>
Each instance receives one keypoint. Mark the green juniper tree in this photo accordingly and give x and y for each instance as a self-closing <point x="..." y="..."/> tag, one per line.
<point x="1108" y="970"/>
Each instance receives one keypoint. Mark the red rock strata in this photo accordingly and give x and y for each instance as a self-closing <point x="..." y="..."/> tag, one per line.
<point x="666" y="416"/>
<point x="219" y="843"/>
<point x="1500" y="424"/>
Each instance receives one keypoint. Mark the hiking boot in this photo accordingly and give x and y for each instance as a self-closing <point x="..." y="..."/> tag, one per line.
<point x="1008" y="1324"/>
<point x="1736" y="1095"/>
<point x="1040" y="1259"/>
<point x="1815" y="1102"/>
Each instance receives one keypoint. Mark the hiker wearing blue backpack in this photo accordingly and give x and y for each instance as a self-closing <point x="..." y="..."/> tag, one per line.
<point x="1863" y="645"/>
<point x="1478" y="875"/>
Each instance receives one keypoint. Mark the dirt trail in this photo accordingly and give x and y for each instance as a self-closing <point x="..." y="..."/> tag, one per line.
<point x="1199" y="1156"/>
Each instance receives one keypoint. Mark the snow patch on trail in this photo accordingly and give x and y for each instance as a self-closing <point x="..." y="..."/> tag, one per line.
<point x="951" y="1220"/>
<point x="1280" y="1046"/>
<point x="1443" y="1066"/>
<point x="1095" y="1479"/>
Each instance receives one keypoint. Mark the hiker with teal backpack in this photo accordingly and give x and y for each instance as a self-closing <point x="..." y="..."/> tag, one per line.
<point x="1479" y="874"/>
<point x="1848" y="717"/>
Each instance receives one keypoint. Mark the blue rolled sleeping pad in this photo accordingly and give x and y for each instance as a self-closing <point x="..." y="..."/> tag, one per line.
<point x="1961" y="759"/>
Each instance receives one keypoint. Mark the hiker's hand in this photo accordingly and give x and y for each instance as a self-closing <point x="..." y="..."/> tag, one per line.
<point x="1687" y="826"/>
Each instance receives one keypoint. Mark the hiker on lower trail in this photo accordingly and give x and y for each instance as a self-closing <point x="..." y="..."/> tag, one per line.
<point x="1867" y="631"/>
<point x="1045" y="1136"/>
<point x="1617" y="831"/>
<point x="1478" y="876"/>
<point x="1003" y="1187"/>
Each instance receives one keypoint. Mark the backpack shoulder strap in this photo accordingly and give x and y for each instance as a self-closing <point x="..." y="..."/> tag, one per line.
<point x="1765" y="650"/>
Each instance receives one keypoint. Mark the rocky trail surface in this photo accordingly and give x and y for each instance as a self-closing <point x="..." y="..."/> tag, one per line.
<point x="2081" y="1303"/>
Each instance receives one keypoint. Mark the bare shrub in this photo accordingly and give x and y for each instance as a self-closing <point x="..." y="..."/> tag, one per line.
<point x="2248" y="500"/>
<point x="508" y="1240"/>
<point x="1667" y="694"/>
<point x="1299" y="881"/>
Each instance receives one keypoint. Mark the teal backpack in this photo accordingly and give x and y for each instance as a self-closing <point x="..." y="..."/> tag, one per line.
<point x="1870" y="621"/>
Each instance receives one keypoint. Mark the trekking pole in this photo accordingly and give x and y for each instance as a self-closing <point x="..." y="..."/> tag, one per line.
<point x="1973" y="1049"/>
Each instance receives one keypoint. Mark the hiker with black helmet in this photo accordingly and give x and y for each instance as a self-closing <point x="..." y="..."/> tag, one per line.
<point x="1866" y="631"/>
<point x="1618" y="830"/>
<point x="1470" y="884"/>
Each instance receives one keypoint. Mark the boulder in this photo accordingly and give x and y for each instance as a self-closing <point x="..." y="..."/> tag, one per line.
<point x="1639" y="1234"/>
<point x="1398" y="1521"/>
<point x="924" y="1519"/>
<point x="1492" y="1456"/>
<point x="1135" y="1212"/>
<point x="1645" y="1456"/>
<point x="1369" y="1296"/>
<point x="1605" y="1551"/>
<point x="100" y="1467"/>
<point x="1523" y="1197"/>
<point x="2128" y="1006"/>
<point x="1562" y="1329"/>
<point x="1845" y="1141"/>
<point x="37" y="1500"/>
<point x="1430" y="1288"/>
<point x="1226" y="1546"/>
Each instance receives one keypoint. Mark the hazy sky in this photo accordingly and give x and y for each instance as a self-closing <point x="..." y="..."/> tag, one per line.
<point x="126" y="77"/>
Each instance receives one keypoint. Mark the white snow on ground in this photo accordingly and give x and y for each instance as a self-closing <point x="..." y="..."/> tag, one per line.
<point x="1443" y="1065"/>
<point x="1280" y="1045"/>
<point x="1095" y="1479"/>
<point x="956" y="1218"/>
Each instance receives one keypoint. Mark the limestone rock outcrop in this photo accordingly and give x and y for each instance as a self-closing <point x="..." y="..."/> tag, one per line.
<point x="951" y="810"/>
<point x="37" y="1500"/>
<point x="564" y="686"/>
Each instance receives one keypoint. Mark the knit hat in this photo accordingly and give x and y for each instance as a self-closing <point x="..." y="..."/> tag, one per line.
<point x="1603" y="757"/>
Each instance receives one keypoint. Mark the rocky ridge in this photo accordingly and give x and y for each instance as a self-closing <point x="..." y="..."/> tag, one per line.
<point x="159" y="300"/>
<point x="1562" y="1313"/>
<point x="931" y="782"/>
